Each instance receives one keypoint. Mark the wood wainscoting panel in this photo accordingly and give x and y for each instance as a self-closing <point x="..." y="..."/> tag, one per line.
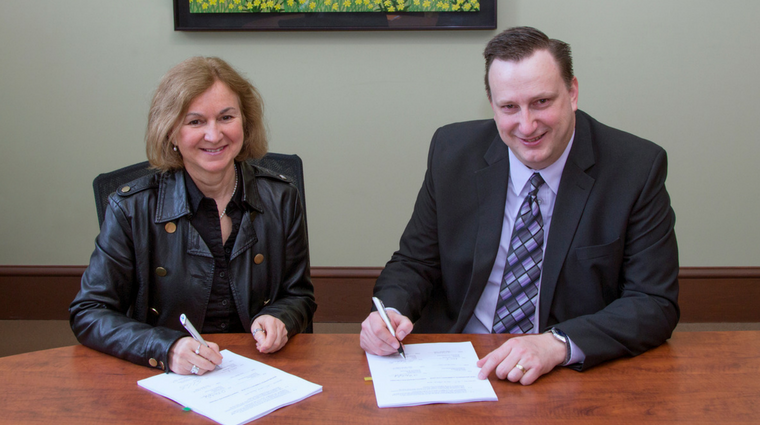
<point x="708" y="294"/>
<point x="719" y="294"/>
<point x="38" y="292"/>
<point x="344" y="295"/>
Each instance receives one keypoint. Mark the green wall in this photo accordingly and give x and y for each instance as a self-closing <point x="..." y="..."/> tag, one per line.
<point x="76" y="79"/>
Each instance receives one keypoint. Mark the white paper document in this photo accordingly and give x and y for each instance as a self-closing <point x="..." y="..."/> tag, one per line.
<point x="238" y="391"/>
<point x="442" y="372"/>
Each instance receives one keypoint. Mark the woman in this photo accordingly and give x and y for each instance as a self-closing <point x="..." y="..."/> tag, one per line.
<point x="209" y="236"/>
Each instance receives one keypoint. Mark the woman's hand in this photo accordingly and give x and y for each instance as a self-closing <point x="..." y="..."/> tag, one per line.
<point x="270" y="333"/>
<point x="182" y="356"/>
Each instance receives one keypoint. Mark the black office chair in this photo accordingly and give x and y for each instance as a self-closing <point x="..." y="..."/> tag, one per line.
<point x="107" y="183"/>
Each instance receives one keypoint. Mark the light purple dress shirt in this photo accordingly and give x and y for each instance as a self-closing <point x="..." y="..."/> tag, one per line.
<point x="519" y="175"/>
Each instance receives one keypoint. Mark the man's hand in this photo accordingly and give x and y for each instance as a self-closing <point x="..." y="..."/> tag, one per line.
<point x="377" y="339"/>
<point x="269" y="332"/>
<point x="537" y="354"/>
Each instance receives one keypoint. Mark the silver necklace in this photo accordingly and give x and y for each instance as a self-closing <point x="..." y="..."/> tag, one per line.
<point x="234" y="189"/>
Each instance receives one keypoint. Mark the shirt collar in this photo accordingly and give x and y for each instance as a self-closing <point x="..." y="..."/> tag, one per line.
<point x="519" y="173"/>
<point x="195" y="196"/>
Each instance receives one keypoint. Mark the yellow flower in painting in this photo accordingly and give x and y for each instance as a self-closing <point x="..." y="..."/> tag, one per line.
<point x="212" y="2"/>
<point x="378" y="1"/>
<point x="270" y="3"/>
<point x="426" y="3"/>
<point x="347" y="3"/>
<point x="291" y="3"/>
<point x="257" y="3"/>
<point x="230" y="6"/>
<point x="455" y="7"/>
<point x="391" y="9"/>
<point x="301" y="1"/>
<point x="467" y="7"/>
<point x="335" y="6"/>
<point x="388" y="3"/>
<point x="312" y="5"/>
<point x="204" y="6"/>
<point x="416" y="2"/>
<point x="328" y="2"/>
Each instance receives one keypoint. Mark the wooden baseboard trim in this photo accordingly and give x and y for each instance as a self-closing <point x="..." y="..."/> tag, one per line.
<point x="708" y="294"/>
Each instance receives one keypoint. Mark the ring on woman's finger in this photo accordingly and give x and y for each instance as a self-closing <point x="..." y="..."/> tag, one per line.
<point x="522" y="369"/>
<point x="258" y="330"/>
<point x="194" y="370"/>
<point x="198" y="350"/>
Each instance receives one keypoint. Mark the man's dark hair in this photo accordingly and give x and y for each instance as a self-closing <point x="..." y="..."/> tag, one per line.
<point x="518" y="43"/>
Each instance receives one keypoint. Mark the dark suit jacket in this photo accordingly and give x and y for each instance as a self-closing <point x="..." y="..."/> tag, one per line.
<point x="610" y="267"/>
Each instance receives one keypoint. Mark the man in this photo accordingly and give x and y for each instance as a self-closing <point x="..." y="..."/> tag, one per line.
<point x="542" y="222"/>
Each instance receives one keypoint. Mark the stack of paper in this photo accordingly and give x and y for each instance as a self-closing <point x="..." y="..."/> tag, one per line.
<point x="238" y="391"/>
<point x="431" y="373"/>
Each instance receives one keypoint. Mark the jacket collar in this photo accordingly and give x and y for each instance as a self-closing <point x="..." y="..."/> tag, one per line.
<point x="574" y="190"/>
<point x="491" y="182"/>
<point x="250" y="188"/>
<point x="173" y="200"/>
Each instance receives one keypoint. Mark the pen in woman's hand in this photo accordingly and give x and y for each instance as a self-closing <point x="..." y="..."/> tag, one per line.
<point x="190" y="328"/>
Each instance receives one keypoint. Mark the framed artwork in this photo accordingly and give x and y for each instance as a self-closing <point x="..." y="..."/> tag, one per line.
<point x="323" y="15"/>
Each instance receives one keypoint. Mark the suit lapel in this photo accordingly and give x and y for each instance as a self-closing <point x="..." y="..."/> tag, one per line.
<point x="574" y="190"/>
<point x="492" y="184"/>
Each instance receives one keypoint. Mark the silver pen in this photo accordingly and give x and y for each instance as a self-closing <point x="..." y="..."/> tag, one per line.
<point x="384" y="314"/>
<point x="190" y="328"/>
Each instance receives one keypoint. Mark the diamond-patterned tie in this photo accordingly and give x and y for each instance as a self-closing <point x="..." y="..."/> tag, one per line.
<point x="519" y="286"/>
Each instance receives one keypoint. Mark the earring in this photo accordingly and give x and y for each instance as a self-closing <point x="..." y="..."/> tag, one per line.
<point x="174" y="148"/>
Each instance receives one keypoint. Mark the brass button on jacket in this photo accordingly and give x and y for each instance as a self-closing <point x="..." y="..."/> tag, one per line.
<point x="161" y="271"/>
<point x="170" y="227"/>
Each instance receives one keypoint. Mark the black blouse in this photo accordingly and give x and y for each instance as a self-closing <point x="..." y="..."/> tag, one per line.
<point x="221" y="313"/>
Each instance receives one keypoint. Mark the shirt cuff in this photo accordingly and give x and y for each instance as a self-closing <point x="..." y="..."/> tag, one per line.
<point x="576" y="354"/>
<point x="393" y="310"/>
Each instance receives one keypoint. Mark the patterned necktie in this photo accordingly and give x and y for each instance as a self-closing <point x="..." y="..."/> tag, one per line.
<point x="519" y="286"/>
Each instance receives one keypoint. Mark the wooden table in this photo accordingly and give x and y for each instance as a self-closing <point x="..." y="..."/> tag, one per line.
<point x="699" y="377"/>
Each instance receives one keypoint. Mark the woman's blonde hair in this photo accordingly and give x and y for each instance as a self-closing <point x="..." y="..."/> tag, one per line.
<point x="176" y="91"/>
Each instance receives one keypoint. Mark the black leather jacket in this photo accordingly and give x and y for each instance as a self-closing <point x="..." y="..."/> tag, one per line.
<point x="150" y="265"/>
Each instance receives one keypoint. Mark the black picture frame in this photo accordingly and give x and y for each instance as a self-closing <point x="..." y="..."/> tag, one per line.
<point x="485" y="19"/>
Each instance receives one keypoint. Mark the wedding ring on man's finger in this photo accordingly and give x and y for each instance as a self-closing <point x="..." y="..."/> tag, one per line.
<point x="258" y="330"/>
<point x="522" y="369"/>
<point x="194" y="370"/>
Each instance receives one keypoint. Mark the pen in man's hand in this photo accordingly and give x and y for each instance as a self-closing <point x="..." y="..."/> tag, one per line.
<point x="381" y="309"/>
